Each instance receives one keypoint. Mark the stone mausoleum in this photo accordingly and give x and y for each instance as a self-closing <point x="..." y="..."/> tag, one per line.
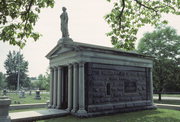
<point x="89" y="80"/>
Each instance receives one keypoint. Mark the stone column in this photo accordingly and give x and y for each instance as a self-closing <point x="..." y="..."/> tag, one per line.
<point x="51" y="88"/>
<point x="151" y="85"/>
<point x="81" y="110"/>
<point x="55" y="89"/>
<point x="59" y="86"/>
<point x="4" y="109"/>
<point x="62" y="85"/>
<point x="69" y="88"/>
<point x="75" y="87"/>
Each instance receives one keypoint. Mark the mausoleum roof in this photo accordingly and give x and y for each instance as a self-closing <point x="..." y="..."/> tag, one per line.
<point x="77" y="46"/>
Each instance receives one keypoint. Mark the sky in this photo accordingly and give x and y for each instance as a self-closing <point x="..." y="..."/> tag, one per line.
<point x="86" y="24"/>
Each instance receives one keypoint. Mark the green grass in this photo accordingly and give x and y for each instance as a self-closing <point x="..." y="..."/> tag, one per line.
<point x="167" y="95"/>
<point x="28" y="99"/>
<point x="173" y="102"/>
<point x="159" y="115"/>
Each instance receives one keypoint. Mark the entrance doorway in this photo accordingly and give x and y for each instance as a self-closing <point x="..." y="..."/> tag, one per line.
<point x="65" y="88"/>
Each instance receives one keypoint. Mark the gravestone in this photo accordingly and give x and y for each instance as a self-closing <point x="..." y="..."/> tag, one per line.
<point x="30" y="92"/>
<point x="22" y="94"/>
<point x="4" y="92"/>
<point x="4" y="109"/>
<point x="38" y="97"/>
<point x="89" y="80"/>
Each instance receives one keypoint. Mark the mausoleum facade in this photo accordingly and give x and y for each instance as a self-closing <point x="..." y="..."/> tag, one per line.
<point x="89" y="80"/>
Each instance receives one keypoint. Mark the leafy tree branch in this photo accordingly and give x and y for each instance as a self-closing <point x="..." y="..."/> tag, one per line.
<point x="127" y="16"/>
<point x="18" y="18"/>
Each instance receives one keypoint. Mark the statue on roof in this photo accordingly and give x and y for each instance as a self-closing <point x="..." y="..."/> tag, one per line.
<point x="64" y="23"/>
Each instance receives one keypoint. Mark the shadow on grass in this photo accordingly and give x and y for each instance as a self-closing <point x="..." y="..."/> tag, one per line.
<point x="159" y="115"/>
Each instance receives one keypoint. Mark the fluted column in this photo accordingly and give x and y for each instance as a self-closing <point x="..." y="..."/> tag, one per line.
<point x="62" y="85"/>
<point x="55" y="88"/>
<point x="69" y="88"/>
<point x="151" y="85"/>
<point x="59" y="88"/>
<point x="75" y="87"/>
<point x="81" y="89"/>
<point x="51" y="88"/>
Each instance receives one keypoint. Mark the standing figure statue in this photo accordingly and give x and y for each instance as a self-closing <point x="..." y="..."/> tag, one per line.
<point x="64" y="23"/>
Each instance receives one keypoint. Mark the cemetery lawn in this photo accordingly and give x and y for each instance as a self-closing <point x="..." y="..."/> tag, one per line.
<point x="158" y="115"/>
<point x="173" y="102"/>
<point x="168" y="101"/>
<point x="167" y="95"/>
<point x="29" y="99"/>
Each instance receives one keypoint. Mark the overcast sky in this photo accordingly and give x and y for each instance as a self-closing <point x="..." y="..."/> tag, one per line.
<point x="86" y="24"/>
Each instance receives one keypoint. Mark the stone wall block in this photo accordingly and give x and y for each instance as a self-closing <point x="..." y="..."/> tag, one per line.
<point x="117" y="76"/>
<point x="129" y="105"/>
<point x="119" y="106"/>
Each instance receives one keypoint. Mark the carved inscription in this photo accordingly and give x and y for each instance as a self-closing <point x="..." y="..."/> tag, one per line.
<point x="130" y="87"/>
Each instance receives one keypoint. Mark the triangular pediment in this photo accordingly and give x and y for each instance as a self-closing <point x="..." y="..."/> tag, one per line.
<point x="61" y="50"/>
<point x="58" y="50"/>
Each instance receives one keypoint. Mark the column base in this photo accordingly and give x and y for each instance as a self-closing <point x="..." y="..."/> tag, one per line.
<point x="68" y="110"/>
<point x="82" y="111"/>
<point x="49" y="106"/>
<point x="58" y="107"/>
<point x="73" y="110"/>
<point x="54" y="106"/>
<point x="5" y="119"/>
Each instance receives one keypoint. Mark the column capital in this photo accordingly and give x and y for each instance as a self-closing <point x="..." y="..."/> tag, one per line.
<point x="81" y="64"/>
<point x="51" y="69"/>
<point x="60" y="67"/>
<point x="55" y="67"/>
<point x="75" y="64"/>
<point x="70" y="65"/>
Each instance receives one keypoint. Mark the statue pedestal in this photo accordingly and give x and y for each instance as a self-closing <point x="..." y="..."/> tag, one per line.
<point x="66" y="39"/>
<point x="4" y="109"/>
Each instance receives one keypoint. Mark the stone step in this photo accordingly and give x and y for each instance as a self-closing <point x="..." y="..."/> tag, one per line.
<point x="27" y="106"/>
<point x="36" y="115"/>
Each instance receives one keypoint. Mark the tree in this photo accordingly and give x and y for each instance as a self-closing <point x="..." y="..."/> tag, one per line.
<point x="127" y="16"/>
<point x="15" y="63"/>
<point x="17" y="20"/>
<point x="43" y="82"/>
<point x="2" y="81"/>
<point x="164" y="45"/>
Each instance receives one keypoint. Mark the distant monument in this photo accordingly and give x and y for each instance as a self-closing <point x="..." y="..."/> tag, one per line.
<point x="64" y="26"/>
<point x="4" y="92"/>
<point x="22" y="94"/>
<point x="37" y="97"/>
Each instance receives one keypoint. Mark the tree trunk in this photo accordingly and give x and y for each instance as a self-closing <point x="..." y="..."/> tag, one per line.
<point x="159" y="96"/>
